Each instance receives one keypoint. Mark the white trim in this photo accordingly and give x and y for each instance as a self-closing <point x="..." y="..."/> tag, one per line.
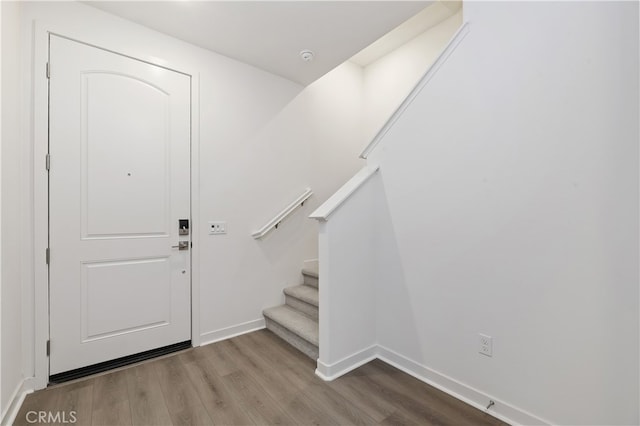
<point x="19" y="394"/>
<point x="273" y="223"/>
<point x="30" y="384"/>
<point x="1" y="144"/>
<point x="323" y="212"/>
<point x="465" y="393"/>
<point x="195" y="209"/>
<point x="233" y="331"/>
<point x="40" y="204"/>
<point x="428" y="75"/>
<point x="40" y="182"/>
<point x="329" y="372"/>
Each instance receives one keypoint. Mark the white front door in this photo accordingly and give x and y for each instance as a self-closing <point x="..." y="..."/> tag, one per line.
<point x="119" y="182"/>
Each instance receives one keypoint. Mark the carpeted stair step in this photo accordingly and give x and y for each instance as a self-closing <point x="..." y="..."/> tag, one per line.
<point x="304" y="298"/>
<point x="296" y="328"/>
<point x="310" y="277"/>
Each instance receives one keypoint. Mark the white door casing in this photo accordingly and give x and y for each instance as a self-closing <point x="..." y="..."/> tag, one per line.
<point x="119" y="182"/>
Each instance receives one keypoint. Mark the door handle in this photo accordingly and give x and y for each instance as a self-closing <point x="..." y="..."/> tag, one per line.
<point x="182" y="245"/>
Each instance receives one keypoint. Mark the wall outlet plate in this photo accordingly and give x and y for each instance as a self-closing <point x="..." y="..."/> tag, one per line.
<point x="485" y="344"/>
<point x="217" y="228"/>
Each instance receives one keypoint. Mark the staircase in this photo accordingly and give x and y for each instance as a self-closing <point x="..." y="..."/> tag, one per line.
<point x="297" y="320"/>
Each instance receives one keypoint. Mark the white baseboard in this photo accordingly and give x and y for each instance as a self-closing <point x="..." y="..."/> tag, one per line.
<point x="229" y="332"/>
<point x="19" y="394"/>
<point x="328" y="372"/>
<point x="501" y="410"/>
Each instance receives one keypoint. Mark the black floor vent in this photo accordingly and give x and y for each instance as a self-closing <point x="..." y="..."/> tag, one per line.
<point x="115" y="363"/>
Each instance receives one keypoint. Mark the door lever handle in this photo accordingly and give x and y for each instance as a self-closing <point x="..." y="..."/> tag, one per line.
<point x="182" y="245"/>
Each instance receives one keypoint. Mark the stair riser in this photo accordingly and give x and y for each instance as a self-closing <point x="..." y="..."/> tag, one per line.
<point x="309" y="280"/>
<point x="294" y="340"/>
<point x="302" y="306"/>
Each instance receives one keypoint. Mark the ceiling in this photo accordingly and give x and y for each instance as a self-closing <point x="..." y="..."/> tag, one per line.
<point x="271" y="34"/>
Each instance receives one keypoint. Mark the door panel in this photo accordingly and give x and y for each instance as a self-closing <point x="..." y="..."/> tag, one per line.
<point x="105" y="313"/>
<point x="116" y="137"/>
<point x="119" y="182"/>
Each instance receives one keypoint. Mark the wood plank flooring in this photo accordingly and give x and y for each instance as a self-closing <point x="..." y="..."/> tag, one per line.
<point x="253" y="379"/>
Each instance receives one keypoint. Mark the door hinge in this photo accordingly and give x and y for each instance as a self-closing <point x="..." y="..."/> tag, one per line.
<point x="48" y="255"/>
<point x="48" y="162"/>
<point x="48" y="70"/>
<point x="48" y="347"/>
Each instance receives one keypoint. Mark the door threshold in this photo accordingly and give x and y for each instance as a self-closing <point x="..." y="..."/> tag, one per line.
<point x="116" y="363"/>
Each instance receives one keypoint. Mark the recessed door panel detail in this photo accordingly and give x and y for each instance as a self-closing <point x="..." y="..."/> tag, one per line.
<point x="125" y="145"/>
<point x="125" y="297"/>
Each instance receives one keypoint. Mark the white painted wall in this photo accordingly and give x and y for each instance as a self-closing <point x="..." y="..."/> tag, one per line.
<point x="11" y="373"/>
<point x="510" y="188"/>
<point x="336" y="114"/>
<point x="335" y="110"/>
<point x="312" y="141"/>
<point x="244" y="179"/>
<point x="261" y="142"/>
<point x="347" y="296"/>
<point x="389" y="80"/>
<point x="252" y="165"/>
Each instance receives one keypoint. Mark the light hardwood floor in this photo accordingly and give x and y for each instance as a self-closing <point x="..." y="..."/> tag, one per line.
<point x="253" y="379"/>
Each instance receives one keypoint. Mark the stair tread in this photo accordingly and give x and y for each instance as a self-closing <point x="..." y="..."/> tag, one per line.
<point x="306" y="293"/>
<point x="310" y="272"/>
<point x="294" y="321"/>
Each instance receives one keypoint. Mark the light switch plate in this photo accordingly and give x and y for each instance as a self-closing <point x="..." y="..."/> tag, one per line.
<point x="217" y="228"/>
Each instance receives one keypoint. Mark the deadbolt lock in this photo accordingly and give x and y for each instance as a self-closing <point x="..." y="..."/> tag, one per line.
<point x="183" y="227"/>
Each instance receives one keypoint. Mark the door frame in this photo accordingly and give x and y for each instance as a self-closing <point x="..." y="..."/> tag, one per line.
<point x="38" y="312"/>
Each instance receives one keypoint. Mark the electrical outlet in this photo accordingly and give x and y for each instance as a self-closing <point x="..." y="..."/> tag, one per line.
<point x="217" y="228"/>
<point x="485" y="344"/>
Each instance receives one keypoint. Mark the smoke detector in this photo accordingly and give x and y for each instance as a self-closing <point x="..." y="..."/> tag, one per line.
<point x="306" y="55"/>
